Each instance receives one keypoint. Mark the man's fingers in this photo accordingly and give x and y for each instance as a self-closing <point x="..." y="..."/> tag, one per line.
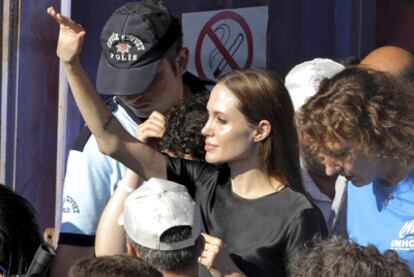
<point x="156" y="114"/>
<point x="147" y="134"/>
<point x="51" y="11"/>
<point x="154" y="126"/>
<point x="69" y="23"/>
<point x="157" y="117"/>
<point x="53" y="14"/>
<point x="81" y="35"/>
<point x="212" y="247"/>
<point x="204" y="262"/>
<point x="208" y="253"/>
<point x="150" y="126"/>
<point x="65" y="21"/>
<point x="212" y="240"/>
<point x="56" y="16"/>
<point x="159" y="123"/>
<point x="206" y="259"/>
<point x="148" y="131"/>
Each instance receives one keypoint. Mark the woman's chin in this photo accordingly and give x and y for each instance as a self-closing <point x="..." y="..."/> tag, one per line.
<point x="212" y="160"/>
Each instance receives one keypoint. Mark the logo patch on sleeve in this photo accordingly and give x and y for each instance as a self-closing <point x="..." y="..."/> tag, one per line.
<point x="70" y="206"/>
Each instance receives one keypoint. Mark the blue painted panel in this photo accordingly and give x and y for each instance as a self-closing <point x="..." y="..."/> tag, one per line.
<point x="344" y="28"/>
<point x="300" y="30"/>
<point x="37" y="95"/>
<point x="355" y="27"/>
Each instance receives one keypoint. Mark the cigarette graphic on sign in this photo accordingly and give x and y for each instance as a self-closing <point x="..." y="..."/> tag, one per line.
<point x="224" y="40"/>
<point x="222" y="55"/>
<point x="216" y="61"/>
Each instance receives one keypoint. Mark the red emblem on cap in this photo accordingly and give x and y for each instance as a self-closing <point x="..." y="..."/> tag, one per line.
<point x="123" y="47"/>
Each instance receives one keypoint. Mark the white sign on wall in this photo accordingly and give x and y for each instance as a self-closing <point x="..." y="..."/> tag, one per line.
<point x="224" y="40"/>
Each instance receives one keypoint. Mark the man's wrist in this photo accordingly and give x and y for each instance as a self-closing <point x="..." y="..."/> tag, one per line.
<point x="71" y="65"/>
<point x="122" y="185"/>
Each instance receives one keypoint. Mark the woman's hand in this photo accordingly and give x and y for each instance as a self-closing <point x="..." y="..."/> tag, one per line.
<point x="71" y="35"/>
<point x="153" y="127"/>
<point x="216" y="259"/>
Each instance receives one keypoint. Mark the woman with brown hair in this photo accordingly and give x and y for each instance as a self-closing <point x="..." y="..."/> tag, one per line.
<point x="250" y="189"/>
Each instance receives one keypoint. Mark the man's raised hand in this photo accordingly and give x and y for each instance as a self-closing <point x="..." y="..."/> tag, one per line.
<point x="153" y="127"/>
<point x="71" y="35"/>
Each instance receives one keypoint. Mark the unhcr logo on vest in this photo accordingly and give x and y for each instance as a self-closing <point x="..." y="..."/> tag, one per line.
<point x="406" y="238"/>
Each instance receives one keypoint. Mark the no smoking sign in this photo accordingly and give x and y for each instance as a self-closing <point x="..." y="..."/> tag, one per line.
<point x="224" y="41"/>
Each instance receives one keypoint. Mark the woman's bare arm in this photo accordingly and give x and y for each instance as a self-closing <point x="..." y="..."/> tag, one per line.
<point x="112" y="139"/>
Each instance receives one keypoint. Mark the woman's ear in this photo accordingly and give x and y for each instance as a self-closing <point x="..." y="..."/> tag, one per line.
<point x="262" y="131"/>
<point x="181" y="61"/>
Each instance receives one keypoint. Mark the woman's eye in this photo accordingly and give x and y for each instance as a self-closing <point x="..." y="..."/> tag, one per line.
<point x="221" y="120"/>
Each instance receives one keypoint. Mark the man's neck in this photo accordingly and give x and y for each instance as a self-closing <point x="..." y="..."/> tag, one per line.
<point x="326" y="184"/>
<point x="190" y="271"/>
<point x="186" y="91"/>
<point x="393" y="172"/>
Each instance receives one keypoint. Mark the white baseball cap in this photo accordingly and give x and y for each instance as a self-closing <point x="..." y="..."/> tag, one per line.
<point x="157" y="206"/>
<point x="303" y="80"/>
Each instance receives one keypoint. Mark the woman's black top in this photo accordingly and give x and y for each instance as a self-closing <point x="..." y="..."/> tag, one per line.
<point x="261" y="235"/>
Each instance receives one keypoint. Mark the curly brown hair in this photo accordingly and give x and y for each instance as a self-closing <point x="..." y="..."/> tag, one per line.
<point x="183" y="127"/>
<point x="368" y="108"/>
<point x="339" y="257"/>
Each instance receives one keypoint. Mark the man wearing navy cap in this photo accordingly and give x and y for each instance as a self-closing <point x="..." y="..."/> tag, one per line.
<point x="143" y="64"/>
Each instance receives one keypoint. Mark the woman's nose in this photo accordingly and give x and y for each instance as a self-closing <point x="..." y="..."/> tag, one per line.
<point x="206" y="131"/>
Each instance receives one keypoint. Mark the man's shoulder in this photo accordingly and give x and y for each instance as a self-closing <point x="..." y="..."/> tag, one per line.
<point x="311" y="187"/>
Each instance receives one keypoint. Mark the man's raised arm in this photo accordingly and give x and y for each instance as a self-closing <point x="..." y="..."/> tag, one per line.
<point x="112" y="139"/>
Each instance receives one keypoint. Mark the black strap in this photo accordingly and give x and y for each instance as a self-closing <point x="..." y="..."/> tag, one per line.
<point x="76" y="239"/>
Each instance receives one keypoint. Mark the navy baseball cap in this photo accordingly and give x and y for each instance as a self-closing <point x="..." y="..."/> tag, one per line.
<point x="134" y="40"/>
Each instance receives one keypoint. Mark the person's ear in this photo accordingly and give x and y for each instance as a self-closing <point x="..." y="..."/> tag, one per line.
<point x="262" y="130"/>
<point x="181" y="61"/>
<point x="299" y="134"/>
<point x="132" y="251"/>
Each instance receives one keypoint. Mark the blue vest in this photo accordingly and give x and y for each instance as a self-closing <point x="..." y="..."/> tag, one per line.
<point x="383" y="216"/>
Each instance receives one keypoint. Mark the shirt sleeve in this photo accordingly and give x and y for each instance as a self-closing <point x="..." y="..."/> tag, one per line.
<point x="90" y="179"/>
<point x="185" y="172"/>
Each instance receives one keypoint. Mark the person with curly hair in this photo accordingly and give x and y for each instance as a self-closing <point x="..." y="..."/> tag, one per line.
<point x="339" y="257"/>
<point x="361" y="124"/>
<point x="182" y="137"/>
